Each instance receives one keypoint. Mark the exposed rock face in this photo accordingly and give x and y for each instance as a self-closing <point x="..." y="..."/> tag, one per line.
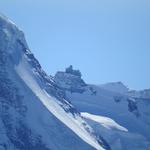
<point x="70" y="81"/>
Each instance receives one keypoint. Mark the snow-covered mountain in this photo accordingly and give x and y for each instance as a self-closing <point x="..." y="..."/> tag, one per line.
<point x="119" y="115"/>
<point x="117" y="87"/>
<point x="143" y="94"/>
<point x="34" y="114"/>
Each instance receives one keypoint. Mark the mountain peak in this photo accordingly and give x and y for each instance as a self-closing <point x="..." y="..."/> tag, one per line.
<point x="12" y="39"/>
<point x="71" y="71"/>
<point x="70" y="80"/>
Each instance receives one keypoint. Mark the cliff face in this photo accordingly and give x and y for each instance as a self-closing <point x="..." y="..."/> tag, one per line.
<point x="70" y="82"/>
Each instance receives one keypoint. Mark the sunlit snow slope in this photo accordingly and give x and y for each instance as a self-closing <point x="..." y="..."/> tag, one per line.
<point x="34" y="114"/>
<point x="120" y="116"/>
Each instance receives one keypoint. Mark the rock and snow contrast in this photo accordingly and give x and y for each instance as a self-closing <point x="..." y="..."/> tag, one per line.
<point x="117" y="114"/>
<point x="41" y="112"/>
<point x="34" y="114"/>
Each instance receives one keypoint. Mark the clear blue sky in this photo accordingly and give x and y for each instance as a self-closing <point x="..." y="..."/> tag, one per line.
<point x="108" y="40"/>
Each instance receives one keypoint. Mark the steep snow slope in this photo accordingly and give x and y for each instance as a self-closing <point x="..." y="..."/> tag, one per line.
<point x="132" y="113"/>
<point x="117" y="136"/>
<point x="33" y="112"/>
<point x="75" y="124"/>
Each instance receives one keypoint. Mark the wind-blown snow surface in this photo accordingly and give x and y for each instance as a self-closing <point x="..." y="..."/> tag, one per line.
<point x="122" y="109"/>
<point x="117" y="136"/>
<point x="75" y="124"/>
<point x="33" y="112"/>
<point x="104" y="121"/>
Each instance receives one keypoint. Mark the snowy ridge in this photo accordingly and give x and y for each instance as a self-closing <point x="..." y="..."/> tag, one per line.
<point x="33" y="107"/>
<point x="104" y="121"/>
<point x="37" y="111"/>
<point x="7" y="19"/>
<point x="130" y="130"/>
<point x="118" y="87"/>
<point x="50" y="103"/>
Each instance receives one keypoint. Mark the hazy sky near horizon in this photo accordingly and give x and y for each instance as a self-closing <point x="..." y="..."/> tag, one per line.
<point x="108" y="40"/>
